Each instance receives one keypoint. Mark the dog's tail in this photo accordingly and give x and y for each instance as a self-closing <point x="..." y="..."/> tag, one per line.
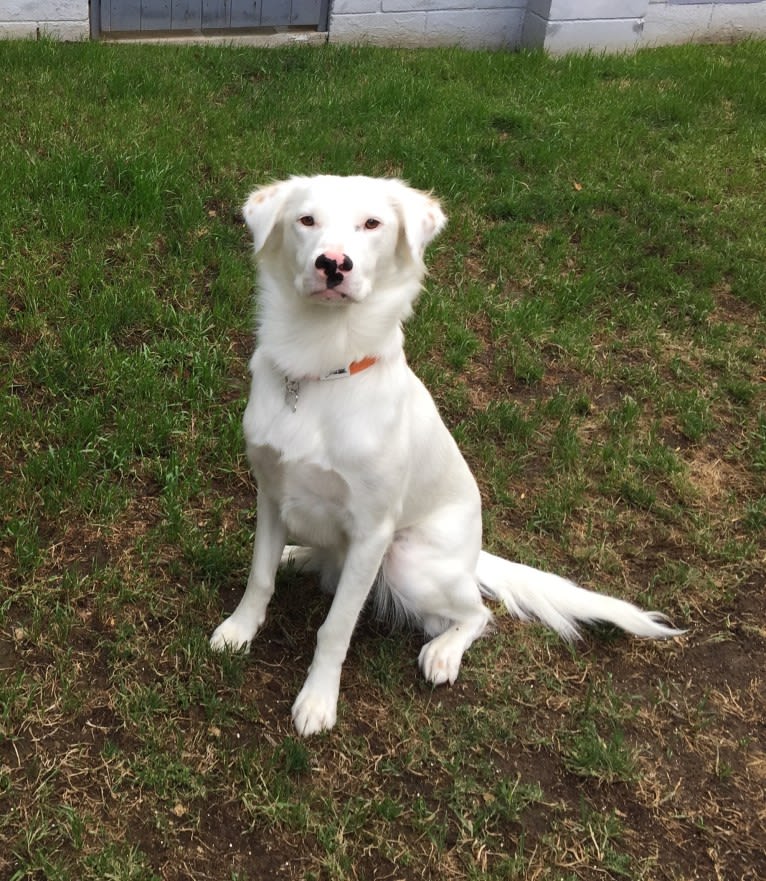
<point x="529" y="593"/>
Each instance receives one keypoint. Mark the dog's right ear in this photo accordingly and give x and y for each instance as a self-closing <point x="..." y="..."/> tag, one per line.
<point x="263" y="209"/>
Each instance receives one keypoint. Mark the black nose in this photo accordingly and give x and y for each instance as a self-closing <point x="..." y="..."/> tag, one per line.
<point x="330" y="266"/>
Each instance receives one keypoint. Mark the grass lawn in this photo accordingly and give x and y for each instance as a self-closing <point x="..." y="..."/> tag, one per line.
<point x="593" y="329"/>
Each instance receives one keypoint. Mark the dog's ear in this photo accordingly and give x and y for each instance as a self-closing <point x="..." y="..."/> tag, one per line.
<point x="263" y="209"/>
<point x="421" y="216"/>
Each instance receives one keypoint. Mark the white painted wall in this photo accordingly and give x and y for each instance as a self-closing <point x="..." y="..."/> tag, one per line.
<point x="561" y="26"/>
<point x="472" y="23"/>
<point x="682" y="21"/>
<point x="62" y="19"/>
<point x="558" y="26"/>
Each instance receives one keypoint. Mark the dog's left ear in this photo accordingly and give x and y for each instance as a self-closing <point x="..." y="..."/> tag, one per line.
<point x="262" y="210"/>
<point x="421" y="216"/>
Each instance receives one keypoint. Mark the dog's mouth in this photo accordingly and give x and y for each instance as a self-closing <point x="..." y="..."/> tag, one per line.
<point x="330" y="295"/>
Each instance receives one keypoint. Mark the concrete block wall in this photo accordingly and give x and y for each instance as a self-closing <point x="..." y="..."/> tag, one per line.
<point x="684" y="21"/>
<point x="561" y="26"/>
<point x="558" y="26"/>
<point x="62" y="19"/>
<point x="488" y="24"/>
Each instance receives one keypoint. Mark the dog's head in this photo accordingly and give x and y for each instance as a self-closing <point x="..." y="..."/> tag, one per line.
<point x="335" y="240"/>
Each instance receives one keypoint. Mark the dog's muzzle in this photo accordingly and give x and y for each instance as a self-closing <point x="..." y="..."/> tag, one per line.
<point x="333" y="269"/>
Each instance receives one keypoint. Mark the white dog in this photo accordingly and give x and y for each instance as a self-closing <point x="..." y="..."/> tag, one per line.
<point x="350" y="454"/>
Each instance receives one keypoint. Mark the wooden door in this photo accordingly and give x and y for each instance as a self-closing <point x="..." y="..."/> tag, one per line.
<point x="157" y="16"/>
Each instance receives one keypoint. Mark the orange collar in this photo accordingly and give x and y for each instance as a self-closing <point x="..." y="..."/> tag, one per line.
<point x="292" y="386"/>
<point x="353" y="368"/>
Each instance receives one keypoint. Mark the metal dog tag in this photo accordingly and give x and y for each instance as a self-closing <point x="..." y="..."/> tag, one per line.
<point x="292" y="387"/>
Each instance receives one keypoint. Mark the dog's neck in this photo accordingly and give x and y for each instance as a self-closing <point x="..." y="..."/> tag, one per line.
<point x="293" y="385"/>
<point x="305" y="339"/>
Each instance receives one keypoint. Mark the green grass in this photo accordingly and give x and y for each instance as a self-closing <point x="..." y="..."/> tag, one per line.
<point x="593" y="331"/>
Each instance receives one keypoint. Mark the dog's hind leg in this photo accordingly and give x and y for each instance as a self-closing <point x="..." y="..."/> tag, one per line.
<point x="440" y="658"/>
<point x="302" y="559"/>
<point x="421" y="576"/>
<point x="326" y="563"/>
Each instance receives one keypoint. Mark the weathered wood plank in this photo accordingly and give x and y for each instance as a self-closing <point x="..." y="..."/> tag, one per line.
<point x="304" y="12"/>
<point x="125" y="15"/>
<point x="245" y="13"/>
<point x="196" y="15"/>
<point x="155" y="15"/>
<point x="186" y="15"/>
<point x="216" y="13"/>
<point x="275" y="13"/>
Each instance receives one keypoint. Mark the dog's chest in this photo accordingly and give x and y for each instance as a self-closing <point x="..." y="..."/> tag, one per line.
<point x="313" y="500"/>
<point x="337" y="455"/>
<point x="300" y="458"/>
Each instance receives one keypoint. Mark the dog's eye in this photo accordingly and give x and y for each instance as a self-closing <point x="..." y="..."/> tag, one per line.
<point x="306" y="220"/>
<point x="371" y="223"/>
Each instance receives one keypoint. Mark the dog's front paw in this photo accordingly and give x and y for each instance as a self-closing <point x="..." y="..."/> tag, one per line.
<point x="232" y="635"/>
<point x="440" y="659"/>
<point x="315" y="709"/>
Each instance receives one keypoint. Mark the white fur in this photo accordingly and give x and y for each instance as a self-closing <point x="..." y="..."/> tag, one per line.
<point x="362" y="471"/>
